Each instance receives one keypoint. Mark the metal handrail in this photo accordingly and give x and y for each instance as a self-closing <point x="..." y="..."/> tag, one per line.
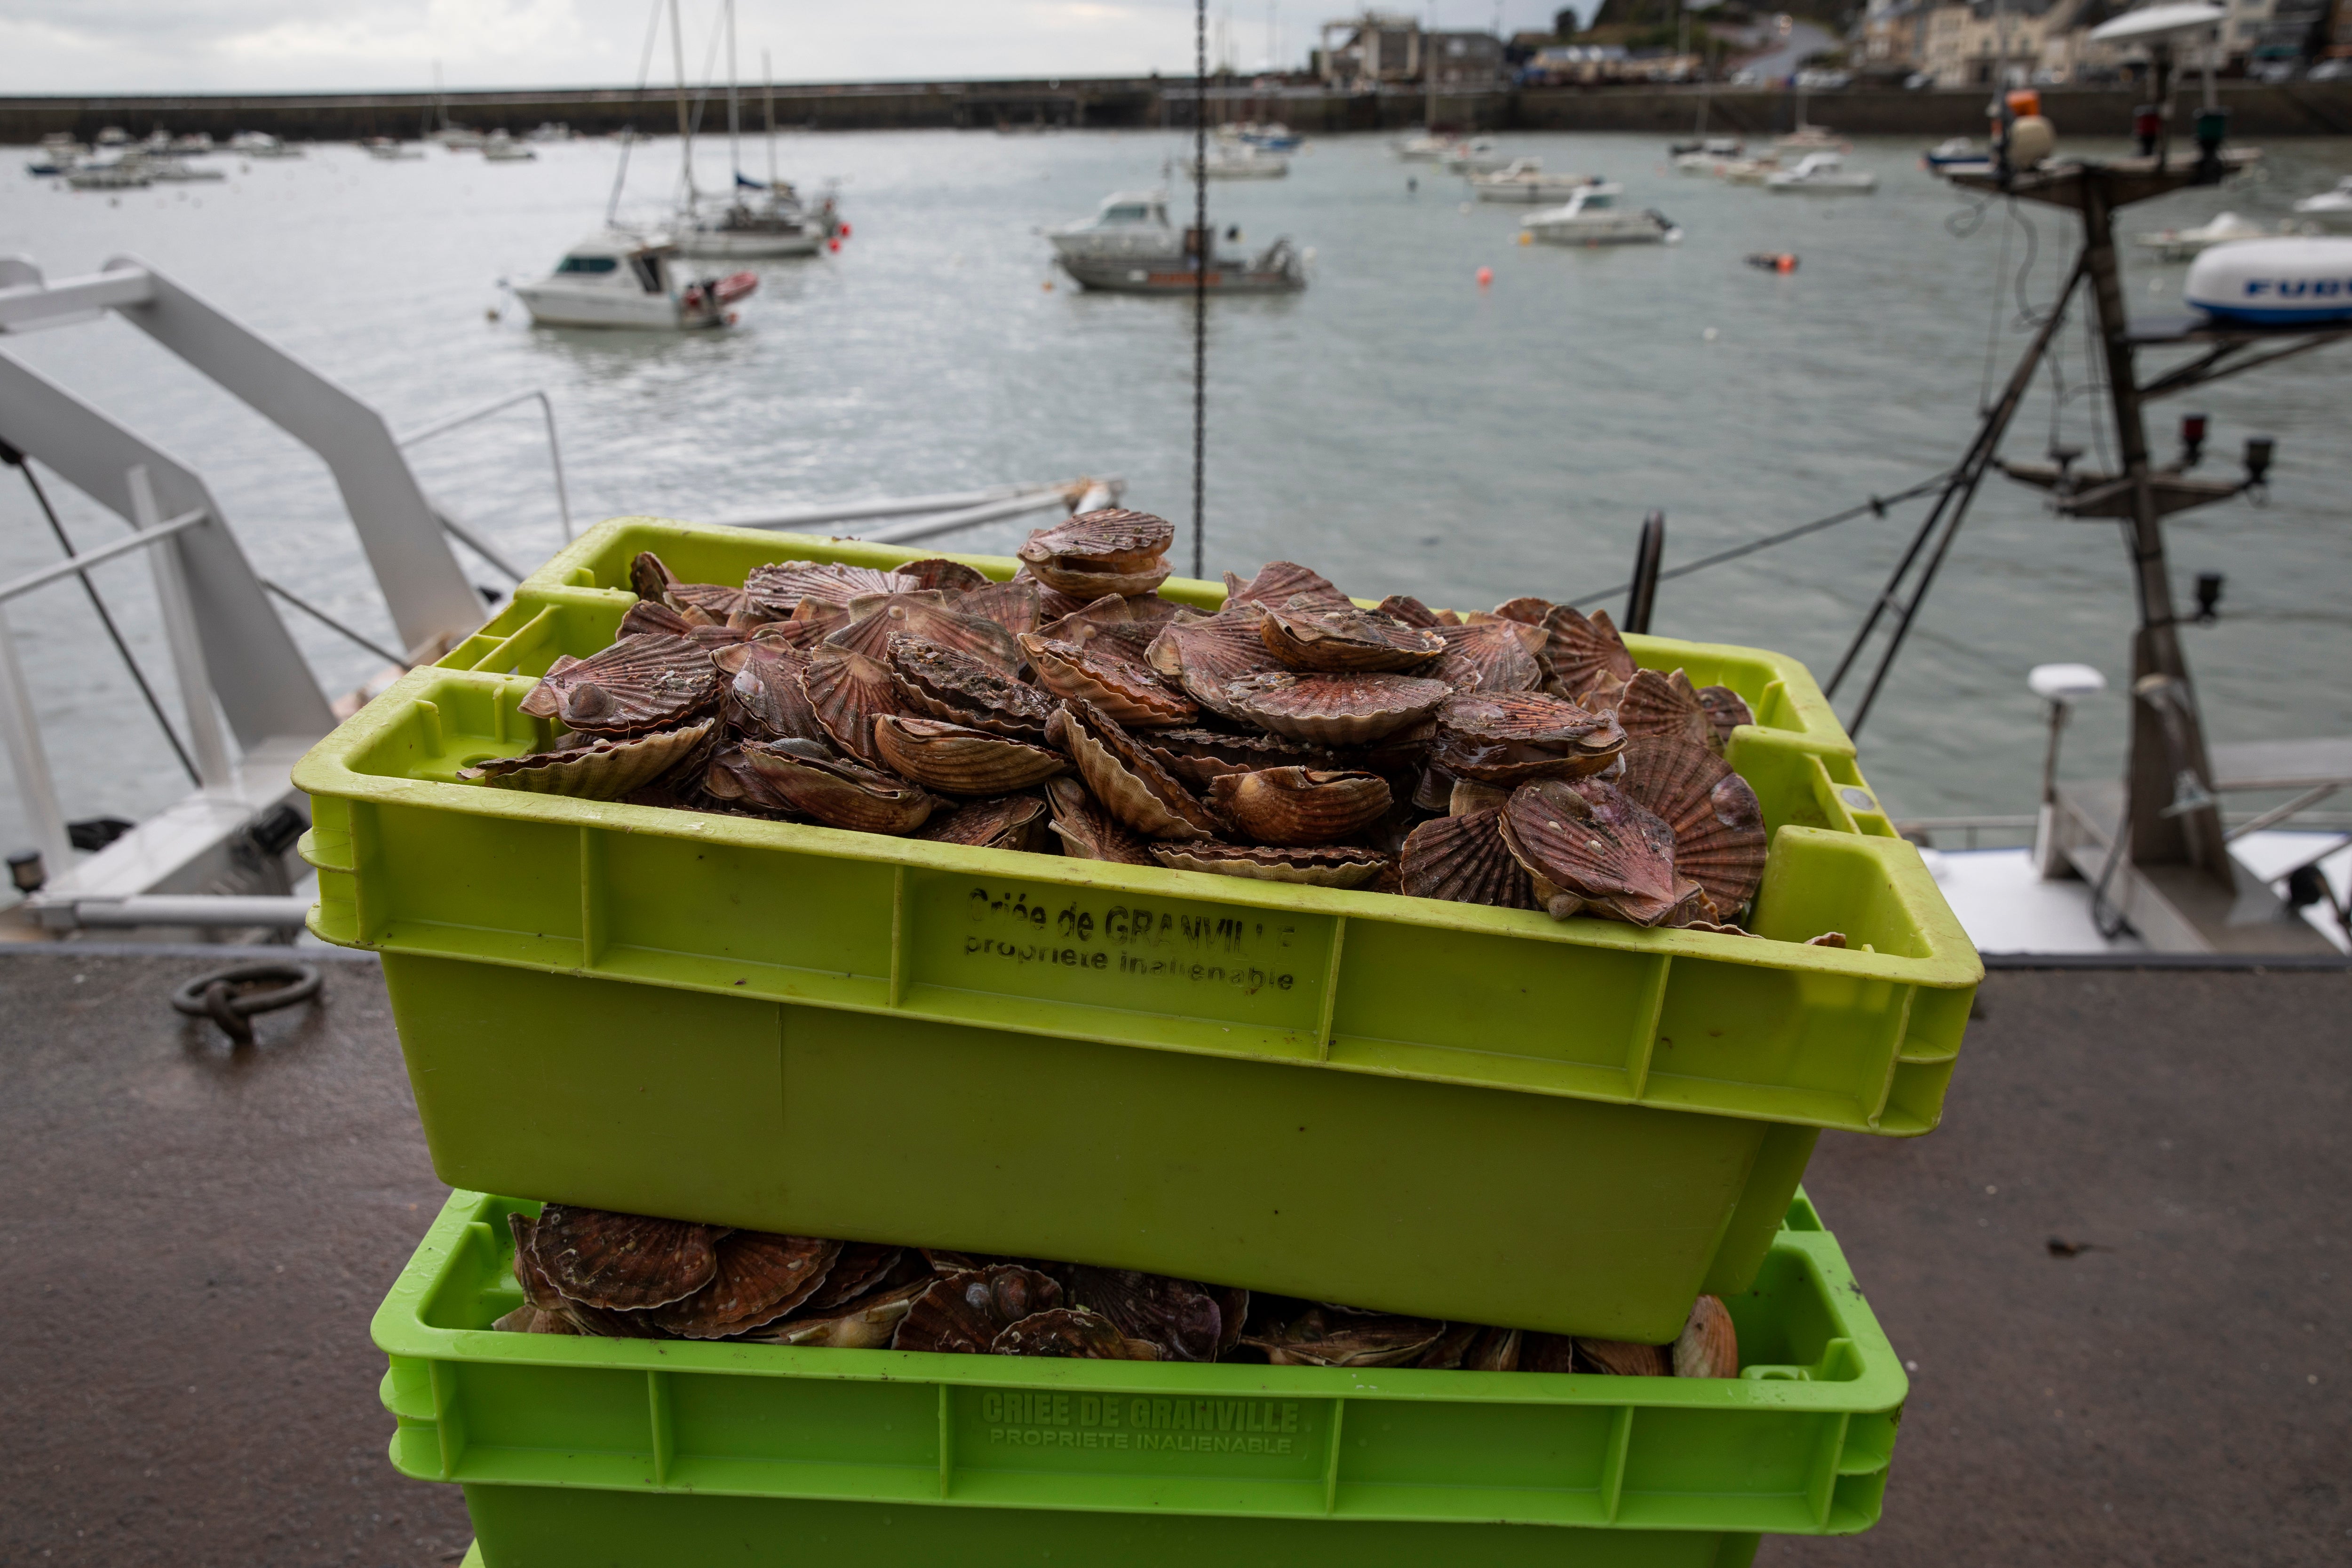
<point x="554" y="450"/>
<point x="72" y="564"/>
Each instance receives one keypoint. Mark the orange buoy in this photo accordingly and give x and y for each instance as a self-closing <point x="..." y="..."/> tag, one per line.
<point x="844" y="231"/>
<point x="1486" y="276"/>
<point x="832" y="245"/>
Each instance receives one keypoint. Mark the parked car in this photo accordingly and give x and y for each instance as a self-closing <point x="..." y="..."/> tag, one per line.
<point x="1824" y="80"/>
<point x="2337" y="70"/>
<point x="1918" y="80"/>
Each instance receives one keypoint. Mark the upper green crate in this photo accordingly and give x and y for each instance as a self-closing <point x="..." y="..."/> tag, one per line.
<point x="1864" y="1038"/>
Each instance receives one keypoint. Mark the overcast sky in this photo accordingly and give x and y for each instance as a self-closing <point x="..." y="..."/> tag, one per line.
<point x="260" y="45"/>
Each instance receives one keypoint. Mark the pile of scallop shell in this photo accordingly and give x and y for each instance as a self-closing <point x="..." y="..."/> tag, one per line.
<point x="1517" y="759"/>
<point x="619" y="1276"/>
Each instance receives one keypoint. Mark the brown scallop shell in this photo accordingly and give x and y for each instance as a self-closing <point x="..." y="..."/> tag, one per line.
<point x="639" y="683"/>
<point x="652" y="616"/>
<point x="1062" y="1331"/>
<point x="601" y="770"/>
<point x="729" y="783"/>
<point x="623" y="1262"/>
<point x="1726" y="711"/>
<point x="956" y="760"/>
<point x="1328" y="866"/>
<point x="942" y="684"/>
<point x="1179" y="1317"/>
<point x="1016" y="605"/>
<point x="1111" y="539"/>
<point x="1200" y="757"/>
<point x="760" y="1277"/>
<point x="1708" y="1345"/>
<point x="861" y="1267"/>
<point x="1084" y="584"/>
<point x="1582" y="654"/>
<point x="1595" y="844"/>
<point x="540" y="1296"/>
<point x="1494" y="1350"/>
<point x="939" y="572"/>
<point x="867" y="1323"/>
<point x="866" y="626"/>
<point x="1529" y="611"/>
<point x="975" y="637"/>
<point x="1128" y="692"/>
<point x="1151" y="610"/>
<point x="1136" y="790"/>
<point x="1305" y="635"/>
<point x="1717" y="821"/>
<point x="1334" y="710"/>
<point x="1469" y="795"/>
<point x="1409" y="610"/>
<point x="848" y="691"/>
<point x="965" y="1311"/>
<point x="723" y="605"/>
<point x="1284" y="583"/>
<point x="780" y="589"/>
<point x="1656" y="704"/>
<point x="649" y="579"/>
<point x="1300" y="805"/>
<point x="1007" y="822"/>
<point x="806" y="628"/>
<point x="1322" y="1337"/>
<point x="1464" y="859"/>
<point x="1621" y="1358"/>
<point x="1445" y="1353"/>
<point x="839" y="793"/>
<point x="1107" y="626"/>
<point x="1490" y="656"/>
<point x="1511" y="737"/>
<point x="763" y="698"/>
<point x="1548" y="1352"/>
<point x="1089" y="832"/>
<point x="1208" y="655"/>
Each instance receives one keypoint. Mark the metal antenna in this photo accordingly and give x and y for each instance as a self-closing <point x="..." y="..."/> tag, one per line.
<point x="1199" y="274"/>
<point x="1642" y="591"/>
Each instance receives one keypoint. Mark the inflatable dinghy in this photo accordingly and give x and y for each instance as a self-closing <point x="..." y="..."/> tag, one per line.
<point x="2274" y="282"/>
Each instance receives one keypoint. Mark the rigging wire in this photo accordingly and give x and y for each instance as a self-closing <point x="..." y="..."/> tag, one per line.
<point x="1992" y="322"/>
<point x="333" y="625"/>
<point x="1199" y="273"/>
<point x="629" y="133"/>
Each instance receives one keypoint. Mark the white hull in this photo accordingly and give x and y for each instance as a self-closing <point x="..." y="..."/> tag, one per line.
<point x="1603" y="228"/>
<point x="1148" y="244"/>
<point x="749" y="247"/>
<point x="553" y="305"/>
<point x="1535" y="192"/>
<point x="1833" y="185"/>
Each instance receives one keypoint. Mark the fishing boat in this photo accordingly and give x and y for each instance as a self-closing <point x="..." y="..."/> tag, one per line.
<point x="2181" y="244"/>
<point x="498" y="147"/>
<point x="2333" y="207"/>
<point x="761" y="219"/>
<point x="116" y="172"/>
<point x="1279" y="269"/>
<point x="1129" y="226"/>
<point x="622" y="280"/>
<point x="385" y="150"/>
<point x="176" y="171"/>
<point x="1273" y="138"/>
<point x="262" y="144"/>
<point x="1525" y="180"/>
<point x="1242" y="162"/>
<point x="1579" y="222"/>
<point x="1821" y="173"/>
<point x="1422" y="147"/>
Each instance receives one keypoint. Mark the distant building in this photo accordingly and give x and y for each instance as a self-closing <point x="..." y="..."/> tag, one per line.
<point x="2048" y="41"/>
<point x="1379" y="49"/>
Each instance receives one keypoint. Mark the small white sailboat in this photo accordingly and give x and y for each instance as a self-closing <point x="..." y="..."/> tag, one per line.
<point x="1479" y="155"/>
<point x="1577" y="222"/>
<point x="1422" y="147"/>
<point x="622" y="280"/>
<point x="2181" y="244"/>
<point x="760" y="220"/>
<point x="2331" y="207"/>
<point x="116" y="172"/>
<point x="262" y="144"/>
<point x="1241" y="162"/>
<point x="498" y="147"/>
<point x="1748" y="171"/>
<point x="384" y="150"/>
<point x="1821" y="173"/>
<point x="176" y="171"/>
<point x="1524" y="179"/>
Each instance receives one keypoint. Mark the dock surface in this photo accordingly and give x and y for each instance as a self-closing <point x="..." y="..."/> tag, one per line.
<point x="197" y="1236"/>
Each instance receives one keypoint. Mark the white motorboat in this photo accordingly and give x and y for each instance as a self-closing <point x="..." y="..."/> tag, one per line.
<point x="498" y="147"/>
<point x="59" y="155"/>
<point x="2181" y="244"/>
<point x="1821" y="173"/>
<point x="1748" y="171"/>
<point x="1808" y="138"/>
<point x="385" y="150"/>
<point x="260" y="145"/>
<point x="1129" y="226"/>
<point x="1579" y="222"/>
<point x="1279" y="269"/>
<point x="549" y="131"/>
<point x="194" y="144"/>
<point x="2331" y="207"/>
<point x="120" y="172"/>
<point x="176" y="171"/>
<point x="1479" y="155"/>
<point x="1955" y="154"/>
<point x="1272" y="137"/>
<point x="457" y="138"/>
<point x="1525" y="180"/>
<point x="1241" y="162"/>
<point x="1422" y="147"/>
<point x="621" y="279"/>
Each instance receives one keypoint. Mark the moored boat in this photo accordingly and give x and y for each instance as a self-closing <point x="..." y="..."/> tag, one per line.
<point x="622" y="280"/>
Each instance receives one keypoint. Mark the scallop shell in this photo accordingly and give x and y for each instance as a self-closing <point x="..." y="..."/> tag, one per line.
<point x="1064" y="1332"/>
<point x="780" y="588"/>
<point x="1086" y="584"/>
<point x="1528" y="611"/>
<point x="763" y="698"/>
<point x="1015" y="606"/>
<point x="1327" y="637"/>
<point x="760" y="1277"/>
<point x="956" y="760"/>
<point x="1469" y="795"/>
<point x="848" y="691"/>
<point x="1334" y="710"/>
<point x="1511" y="737"/>
<point x="922" y="616"/>
<point x="1136" y="790"/>
<point x="1206" y="656"/>
<point x="1111" y="539"/>
<point x="1007" y="822"/>
<point x="861" y="1267"/>
<point x="1151" y="610"/>
<point x="1708" y="1345"/>
<point x="541" y="1295"/>
<point x="1494" y="1350"/>
<point x="649" y="579"/>
<point x="623" y="1262"/>
<point x="1726" y="711"/>
<point x="1490" y="656"/>
<point x="807" y="626"/>
<point x="1200" y="757"/>
<point x="867" y="627"/>
<point x="1300" y="805"/>
<point x="867" y="1324"/>
<point x="1329" y="866"/>
<point x="1548" y="1352"/>
<point x="601" y="770"/>
<point x="729" y="783"/>
<point x="1446" y="1355"/>
<point x="1321" y="1337"/>
<point x="1128" y="692"/>
<point x="639" y="683"/>
<point x="939" y="572"/>
<point x="1464" y="859"/>
<point x="1717" y="821"/>
<point x="1284" y="583"/>
<point x="1582" y="654"/>
<point x="838" y="794"/>
<point x="943" y="684"/>
<point x="1656" y="704"/>
<point x="1595" y="844"/>
<point x="651" y="616"/>
<point x="1179" y="1317"/>
<point x="963" y="1312"/>
<point x="724" y="606"/>
<point x="1409" y="610"/>
<point x="1089" y="832"/>
<point x="1107" y="626"/>
<point x="1621" y="1358"/>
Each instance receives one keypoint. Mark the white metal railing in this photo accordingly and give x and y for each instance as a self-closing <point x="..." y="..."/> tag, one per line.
<point x="442" y="426"/>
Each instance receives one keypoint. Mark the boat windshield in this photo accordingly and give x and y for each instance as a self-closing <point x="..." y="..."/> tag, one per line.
<point x="587" y="264"/>
<point x="1127" y="212"/>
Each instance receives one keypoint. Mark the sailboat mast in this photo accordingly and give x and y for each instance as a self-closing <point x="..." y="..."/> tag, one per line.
<point x="734" y="107"/>
<point x="1429" y="73"/>
<point x="684" y="132"/>
<point x="768" y="73"/>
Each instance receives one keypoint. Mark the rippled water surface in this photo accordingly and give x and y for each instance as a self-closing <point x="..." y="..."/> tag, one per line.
<point x="1397" y="427"/>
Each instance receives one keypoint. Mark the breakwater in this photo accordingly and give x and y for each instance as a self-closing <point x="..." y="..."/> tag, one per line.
<point x="2299" y="108"/>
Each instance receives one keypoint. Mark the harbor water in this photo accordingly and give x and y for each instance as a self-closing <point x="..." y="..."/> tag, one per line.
<point x="1398" y="426"/>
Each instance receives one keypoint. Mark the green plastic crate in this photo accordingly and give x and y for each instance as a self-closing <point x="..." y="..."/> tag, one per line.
<point x="578" y="1451"/>
<point x="1434" y="1108"/>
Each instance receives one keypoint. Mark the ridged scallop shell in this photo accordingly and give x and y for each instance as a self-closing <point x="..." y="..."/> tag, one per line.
<point x="1593" y="844"/>
<point x="1726" y="711"/>
<point x="1409" y="610"/>
<point x="1490" y="656"/>
<point x="1715" y="818"/>
<point x="1656" y="704"/>
<point x="1621" y="1358"/>
<point x="649" y="578"/>
<point x="1136" y="790"/>
<point x="1006" y="822"/>
<point x="1464" y="860"/>
<point x="1582" y="654"/>
<point x="1325" y="1336"/>
<point x="839" y="793"/>
<point x="848" y="691"/>
<point x="1284" y="583"/>
<point x="1511" y="737"/>
<point x="762" y="698"/>
<point x="639" y="683"/>
<point x="1107" y="626"/>
<point x="941" y="684"/>
<point x="975" y="637"/>
<point x="1112" y="539"/>
<point x="1330" y="866"/>
<point x="1328" y="638"/>
<point x="780" y="587"/>
<point x="760" y="1277"/>
<point x="939" y="572"/>
<point x="731" y="783"/>
<point x="1334" y="710"/>
<point x="1200" y="757"/>
<point x="964" y="1312"/>
<point x="1470" y="795"/>
<point x="1300" y="805"/>
<point x="558" y="1313"/>
<point x="1182" y="1319"/>
<point x="1128" y="692"/>
<point x="1017" y="605"/>
<point x="868" y="626"/>
<point x="807" y="626"/>
<point x="1527" y="611"/>
<point x="602" y="770"/>
<point x="724" y="606"/>
<point x="1078" y="1334"/>
<point x="1208" y="655"/>
<point x="867" y="1324"/>
<point x="1708" y="1345"/>
<point x="1084" y="584"/>
<point x="863" y="1267"/>
<point x="651" y="617"/>
<point x="623" y="1262"/>
<point x="957" y="760"/>
<point x="1089" y="832"/>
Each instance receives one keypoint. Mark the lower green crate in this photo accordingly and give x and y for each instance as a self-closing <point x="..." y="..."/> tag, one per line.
<point x="588" y="1450"/>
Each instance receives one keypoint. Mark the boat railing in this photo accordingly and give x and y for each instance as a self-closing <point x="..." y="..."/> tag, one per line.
<point x="499" y="406"/>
